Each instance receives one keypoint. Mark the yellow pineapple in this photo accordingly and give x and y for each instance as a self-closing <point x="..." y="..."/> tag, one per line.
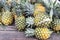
<point x="7" y="18"/>
<point x="42" y="20"/>
<point x="56" y="25"/>
<point x="39" y="8"/>
<point x="42" y="33"/>
<point x="41" y="17"/>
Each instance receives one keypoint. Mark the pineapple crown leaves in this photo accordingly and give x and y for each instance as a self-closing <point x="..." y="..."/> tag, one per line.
<point x="57" y="9"/>
<point x="13" y="3"/>
<point x="54" y="5"/>
<point x="30" y="21"/>
<point x="18" y="9"/>
<point x="57" y="3"/>
<point x="51" y="4"/>
<point x="2" y="3"/>
<point x="29" y="32"/>
<point x="29" y="8"/>
<point x="6" y="6"/>
<point x="56" y="14"/>
<point x="24" y="7"/>
<point x="48" y="3"/>
<point x="57" y="20"/>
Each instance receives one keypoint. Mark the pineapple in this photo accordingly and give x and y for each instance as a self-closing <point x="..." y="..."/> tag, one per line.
<point x="39" y="8"/>
<point x="56" y="25"/>
<point x="26" y="7"/>
<point x="20" y="22"/>
<point x="29" y="9"/>
<point x="42" y="20"/>
<point x="7" y="18"/>
<point x="39" y="32"/>
<point x="41" y="17"/>
<point x="20" y="19"/>
<point x="42" y="33"/>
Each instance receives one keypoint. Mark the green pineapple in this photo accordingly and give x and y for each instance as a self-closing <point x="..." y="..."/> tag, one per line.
<point x="26" y="7"/>
<point x="19" y="18"/>
<point x="20" y="22"/>
<point x="55" y="25"/>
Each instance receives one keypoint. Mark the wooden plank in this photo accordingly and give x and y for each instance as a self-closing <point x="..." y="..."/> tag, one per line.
<point x="10" y="33"/>
<point x="7" y="28"/>
<point x="13" y="35"/>
<point x="17" y="39"/>
<point x="55" y="36"/>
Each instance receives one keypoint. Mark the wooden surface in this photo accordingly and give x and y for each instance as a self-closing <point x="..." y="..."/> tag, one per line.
<point x="10" y="33"/>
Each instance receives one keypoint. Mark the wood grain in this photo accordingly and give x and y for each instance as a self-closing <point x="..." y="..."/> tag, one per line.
<point x="10" y="33"/>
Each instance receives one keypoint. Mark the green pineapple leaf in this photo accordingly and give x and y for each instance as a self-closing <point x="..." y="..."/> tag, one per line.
<point x="29" y="32"/>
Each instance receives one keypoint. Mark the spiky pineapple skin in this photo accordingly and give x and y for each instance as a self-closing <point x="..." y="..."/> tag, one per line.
<point x="40" y="15"/>
<point x="42" y="33"/>
<point x="39" y="20"/>
<point x="56" y="25"/>
<point x="20" y="23"/>
<point x="39" y="8"/>
<point x="7" y="18"/>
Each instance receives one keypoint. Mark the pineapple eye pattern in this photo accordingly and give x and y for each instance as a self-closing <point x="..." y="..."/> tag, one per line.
<point x="42" y="33"/>
<point x="32" y="18"/>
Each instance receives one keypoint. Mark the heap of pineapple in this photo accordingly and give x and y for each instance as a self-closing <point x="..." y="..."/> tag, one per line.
<point x="41" y="22"/>
<point x="34" y="18"/>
